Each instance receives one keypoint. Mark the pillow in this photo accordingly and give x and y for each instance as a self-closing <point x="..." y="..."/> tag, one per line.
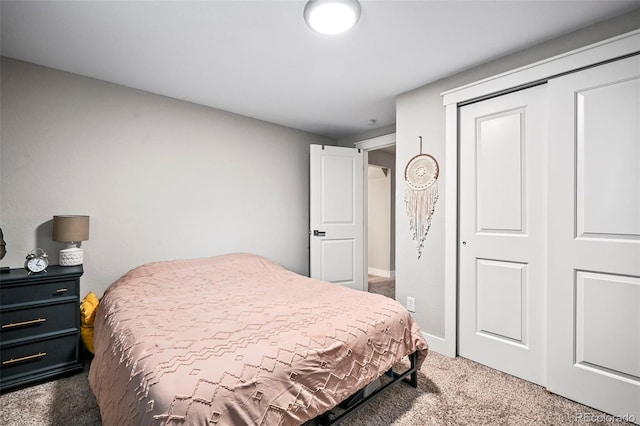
<point x="88" y="309"/>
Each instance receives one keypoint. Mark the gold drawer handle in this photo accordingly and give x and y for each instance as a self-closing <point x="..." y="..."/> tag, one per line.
<point x="24" y="358"/>
<point x="61" y="290"/>
<point x="23" y="323"/>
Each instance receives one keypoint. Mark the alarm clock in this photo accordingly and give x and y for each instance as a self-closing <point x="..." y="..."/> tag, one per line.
<point x="37" y="261"/>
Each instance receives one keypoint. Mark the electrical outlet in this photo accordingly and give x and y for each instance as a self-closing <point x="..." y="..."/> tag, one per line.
<point x="411" y="304"/>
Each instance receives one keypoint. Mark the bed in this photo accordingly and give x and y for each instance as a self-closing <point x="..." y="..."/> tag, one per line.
<point x="238" y="340"/>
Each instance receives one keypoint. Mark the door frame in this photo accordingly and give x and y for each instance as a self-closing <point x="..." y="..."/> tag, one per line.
<point x="533" y="74"/>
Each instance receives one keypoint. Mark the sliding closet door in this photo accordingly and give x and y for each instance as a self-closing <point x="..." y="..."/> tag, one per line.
<point x="502" y="233"/>
<point x="594" y="237"/>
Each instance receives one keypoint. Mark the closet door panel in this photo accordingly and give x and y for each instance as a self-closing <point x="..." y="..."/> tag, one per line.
<point x="594" y="239"/>
<point x="608" y="155"/>
<point x="502" y="233"/>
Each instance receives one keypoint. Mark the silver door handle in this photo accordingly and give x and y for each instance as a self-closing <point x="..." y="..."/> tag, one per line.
<point x="317" y="233"/>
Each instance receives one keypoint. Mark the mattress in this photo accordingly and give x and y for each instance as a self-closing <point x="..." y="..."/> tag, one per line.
<point x="238" y="340"/>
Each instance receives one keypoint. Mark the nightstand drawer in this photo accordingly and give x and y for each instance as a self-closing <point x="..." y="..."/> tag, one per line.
<point x="25" y="323"/>
<point x="37" y="356"/>
<point x="38" y="292"/>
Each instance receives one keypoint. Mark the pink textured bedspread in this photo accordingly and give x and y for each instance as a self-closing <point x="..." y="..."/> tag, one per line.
<point x="238" y="340"/>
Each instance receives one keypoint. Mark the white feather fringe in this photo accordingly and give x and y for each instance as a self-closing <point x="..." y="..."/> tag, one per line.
<point x="420" y="207"/>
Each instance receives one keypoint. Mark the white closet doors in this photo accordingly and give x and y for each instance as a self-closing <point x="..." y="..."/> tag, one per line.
<point x="549" y="249"/>
<point x="594" y="237"/>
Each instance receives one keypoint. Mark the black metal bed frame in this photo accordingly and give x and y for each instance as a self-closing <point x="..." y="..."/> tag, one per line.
<point x="358" y="400"/>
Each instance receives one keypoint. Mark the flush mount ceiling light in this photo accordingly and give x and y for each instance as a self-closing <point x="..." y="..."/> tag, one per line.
<point x="331" y="16"/>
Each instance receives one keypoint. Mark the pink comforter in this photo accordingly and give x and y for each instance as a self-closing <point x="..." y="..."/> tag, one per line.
<point x="238" y="340"/>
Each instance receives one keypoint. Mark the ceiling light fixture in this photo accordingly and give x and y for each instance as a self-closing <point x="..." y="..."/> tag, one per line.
<point x="331" y="16"/>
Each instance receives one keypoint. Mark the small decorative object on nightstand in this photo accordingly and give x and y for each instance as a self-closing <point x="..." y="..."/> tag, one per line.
<point x="71" y="229"/>
<point x="37" y="261"/>
<point x="40" y="317"/>
<point x="3" y="251"/>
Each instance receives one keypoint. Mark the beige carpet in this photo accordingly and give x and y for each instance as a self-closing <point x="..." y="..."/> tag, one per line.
<point x="450" y="392"/>
<point x="382" y="285"/>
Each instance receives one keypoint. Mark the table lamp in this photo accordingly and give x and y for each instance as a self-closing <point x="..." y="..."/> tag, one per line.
<point x="71" y="229"/>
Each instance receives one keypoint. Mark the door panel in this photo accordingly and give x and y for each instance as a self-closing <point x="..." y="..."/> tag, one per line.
<point x="337" y="214"/>
<point x="338" y="260"/>
<point x="501" y="306"/>
<point x="608" y="152"/>
<point x="502" y="233"/>
<point x="338" y="200"/>
<point x="499" y="172"/>
<point x="597" y="332"/>
<point x="594" y="237"/>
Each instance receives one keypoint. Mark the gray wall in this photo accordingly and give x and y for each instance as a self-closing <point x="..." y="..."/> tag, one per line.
<point x="420" y="113"/>
<point x="160" y="178"/>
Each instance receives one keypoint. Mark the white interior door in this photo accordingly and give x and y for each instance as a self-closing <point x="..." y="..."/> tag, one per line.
<point x="337" y="215"/>
<point x="594" y="237"/>
<point x="502" y="267"/>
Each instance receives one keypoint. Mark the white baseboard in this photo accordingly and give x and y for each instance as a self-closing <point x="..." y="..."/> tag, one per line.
<point x="440" y="345"/>
<point x="381" y="273"/>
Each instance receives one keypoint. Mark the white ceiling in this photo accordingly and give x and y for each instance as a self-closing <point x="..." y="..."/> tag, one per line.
<point x="257" y="58"/>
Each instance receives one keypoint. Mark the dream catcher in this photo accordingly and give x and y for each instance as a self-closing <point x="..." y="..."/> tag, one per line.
<point x="421" y="194"/>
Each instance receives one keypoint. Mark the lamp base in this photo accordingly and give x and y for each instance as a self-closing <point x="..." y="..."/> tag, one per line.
<point x="72" y="256"/>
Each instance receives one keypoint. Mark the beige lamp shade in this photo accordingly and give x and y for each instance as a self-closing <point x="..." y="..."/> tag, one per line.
<point x="70" y="228"/>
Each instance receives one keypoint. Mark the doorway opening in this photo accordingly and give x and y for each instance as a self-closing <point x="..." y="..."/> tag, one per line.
<point x="380" y="220"/>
